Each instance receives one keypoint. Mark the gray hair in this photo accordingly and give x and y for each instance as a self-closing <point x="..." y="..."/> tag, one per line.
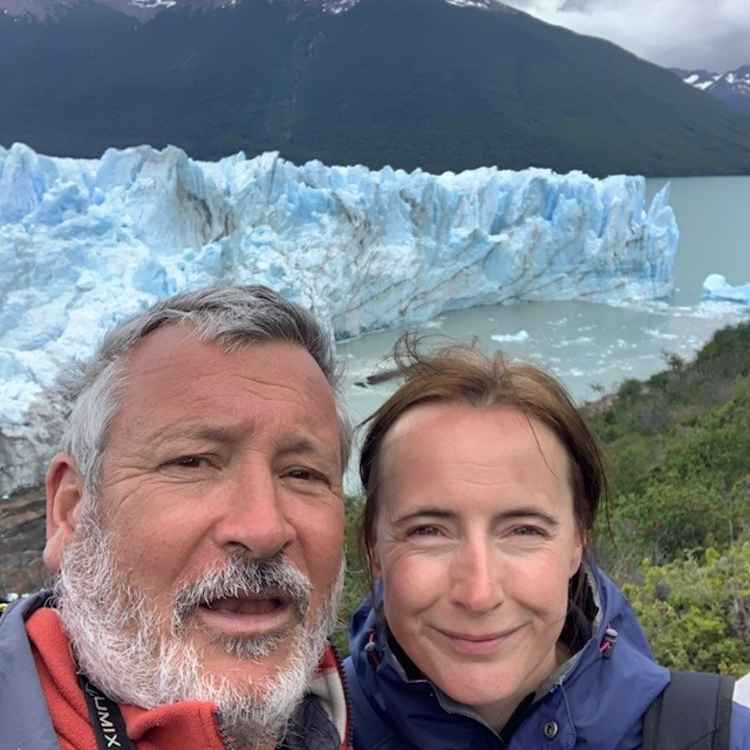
<point x="232" y="317"/>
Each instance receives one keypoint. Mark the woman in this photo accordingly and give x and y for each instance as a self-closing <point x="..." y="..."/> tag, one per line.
<point x="488" y="625"/>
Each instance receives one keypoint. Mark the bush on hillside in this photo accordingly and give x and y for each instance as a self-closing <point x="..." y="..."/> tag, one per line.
<point x="691" y="489"/>
<point x="678" y="393"/>
<point x="696" y="611"/>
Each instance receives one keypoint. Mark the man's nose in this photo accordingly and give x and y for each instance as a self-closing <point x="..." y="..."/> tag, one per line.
<point x="254" y="513"/>
<point x="477" y="574"/>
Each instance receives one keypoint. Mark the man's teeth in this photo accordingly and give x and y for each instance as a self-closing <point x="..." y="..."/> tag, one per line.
<point x="237" y="606"/>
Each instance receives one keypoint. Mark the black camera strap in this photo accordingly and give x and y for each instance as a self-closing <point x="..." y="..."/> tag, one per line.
<point x="106" y="718"/>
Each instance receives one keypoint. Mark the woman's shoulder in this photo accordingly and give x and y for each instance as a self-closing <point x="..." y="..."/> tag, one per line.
<point x="371" y="731"/>
<point x="367" y="723"/>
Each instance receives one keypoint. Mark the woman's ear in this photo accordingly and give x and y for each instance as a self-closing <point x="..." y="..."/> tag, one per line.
<point x="373" y="558"/>
<point x="64" y="487"/>
<point x="576" y="557"/>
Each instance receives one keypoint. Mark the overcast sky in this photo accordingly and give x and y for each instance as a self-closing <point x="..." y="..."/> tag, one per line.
<point x="711" y="34"/>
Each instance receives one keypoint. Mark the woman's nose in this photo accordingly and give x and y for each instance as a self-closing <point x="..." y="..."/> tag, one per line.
<point x="477" y="583"/>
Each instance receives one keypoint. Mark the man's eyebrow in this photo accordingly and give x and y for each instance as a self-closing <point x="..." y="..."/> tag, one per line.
<point x="305" y="446"/>
<point x="516" y="513"/>
<point x="200" y="432"/>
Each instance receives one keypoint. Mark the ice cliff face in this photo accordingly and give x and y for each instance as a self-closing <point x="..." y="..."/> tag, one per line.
<point x="85" y="242"/>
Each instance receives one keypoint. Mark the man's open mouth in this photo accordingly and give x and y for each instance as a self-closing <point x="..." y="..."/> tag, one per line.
<point x="247" y="605"/>
<point x="253" y="615"/>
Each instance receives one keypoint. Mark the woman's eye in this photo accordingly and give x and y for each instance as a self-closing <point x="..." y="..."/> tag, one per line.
<point x="533" y="531"/>
<point x="423" y="531"/>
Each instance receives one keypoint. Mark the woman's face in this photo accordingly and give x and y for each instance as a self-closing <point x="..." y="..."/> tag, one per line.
<point x="475" y="541"/>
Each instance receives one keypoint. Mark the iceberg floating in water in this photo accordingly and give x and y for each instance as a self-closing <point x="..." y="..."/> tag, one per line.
<point x="86" y="242"/>
<point x="716" y="287"/>
<point x="504" y="338"/>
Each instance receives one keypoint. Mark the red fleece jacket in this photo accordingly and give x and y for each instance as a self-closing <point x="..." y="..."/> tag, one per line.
<point x="177" y="726"/>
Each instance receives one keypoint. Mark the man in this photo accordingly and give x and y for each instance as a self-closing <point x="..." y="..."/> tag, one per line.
<point x="195" y="520"/>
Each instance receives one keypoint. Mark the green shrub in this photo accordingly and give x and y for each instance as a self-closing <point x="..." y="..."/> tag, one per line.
<point x="683" y="391"/>
<point x="684" y="489"/>
<point x="696" y="611"/>
<point x="668" y="519"/>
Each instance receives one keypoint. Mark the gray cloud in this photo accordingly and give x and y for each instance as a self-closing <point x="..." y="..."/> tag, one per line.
<point x="674" y="33"/>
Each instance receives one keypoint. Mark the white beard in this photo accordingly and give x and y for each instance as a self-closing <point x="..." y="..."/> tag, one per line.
<point x="127" y="652"/>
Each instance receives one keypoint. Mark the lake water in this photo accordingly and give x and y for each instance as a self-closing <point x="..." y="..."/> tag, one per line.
<point x="587" y="344"/>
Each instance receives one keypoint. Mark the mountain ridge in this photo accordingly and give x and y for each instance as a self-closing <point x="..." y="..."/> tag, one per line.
<point x="145" y="10"/>
<point x="411" y="83"/>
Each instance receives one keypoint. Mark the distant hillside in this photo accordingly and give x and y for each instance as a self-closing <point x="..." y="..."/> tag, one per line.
<point x="732" y="87"/>
<point x="437" y="84"/>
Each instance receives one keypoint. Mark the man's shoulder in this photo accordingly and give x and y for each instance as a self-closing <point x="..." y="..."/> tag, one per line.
<point x="23" y="606"/>
<point x="14" y="614"/>
<point x="23" y="709"/>
<point x="6" y="601"/>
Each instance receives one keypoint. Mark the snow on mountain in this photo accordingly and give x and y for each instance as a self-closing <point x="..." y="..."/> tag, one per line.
<point x="86" y="242"/>
<point x="703" y="80"/>
<point x="144" y="10"/>
<point x="733" y="87"/>
<point x="482" y="4"/>
<point x="141" y="10"/>
<point x="698" y="79"/>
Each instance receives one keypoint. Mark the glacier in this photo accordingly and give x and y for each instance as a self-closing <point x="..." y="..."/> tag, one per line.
<point x="85" y="242"/>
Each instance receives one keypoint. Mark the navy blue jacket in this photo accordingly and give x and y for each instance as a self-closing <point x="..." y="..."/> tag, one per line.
<point x="597" y="704"/>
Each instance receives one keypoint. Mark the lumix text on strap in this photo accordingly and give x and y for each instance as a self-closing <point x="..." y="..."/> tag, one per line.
<point x="106" y="718"/>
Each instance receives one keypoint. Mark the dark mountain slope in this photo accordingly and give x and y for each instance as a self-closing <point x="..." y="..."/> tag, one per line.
<point x="403" y="82"/>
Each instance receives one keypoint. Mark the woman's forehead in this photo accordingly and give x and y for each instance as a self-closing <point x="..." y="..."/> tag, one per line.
<point x="459" y="443"/>
<point x="452" y="418"/>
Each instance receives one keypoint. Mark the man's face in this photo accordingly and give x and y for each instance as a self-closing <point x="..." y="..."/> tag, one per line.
<point x="215" y="457"/>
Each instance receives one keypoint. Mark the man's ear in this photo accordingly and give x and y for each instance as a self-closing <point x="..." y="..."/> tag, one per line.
<point x="64" y="492"/>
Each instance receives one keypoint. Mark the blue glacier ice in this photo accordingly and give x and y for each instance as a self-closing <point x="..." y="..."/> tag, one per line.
<point x="716" y="287"/>
<point x="85" y="242"/>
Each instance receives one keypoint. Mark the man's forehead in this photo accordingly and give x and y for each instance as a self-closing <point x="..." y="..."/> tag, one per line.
<point x="176" y="346"/>
<point x="174" y="376"/>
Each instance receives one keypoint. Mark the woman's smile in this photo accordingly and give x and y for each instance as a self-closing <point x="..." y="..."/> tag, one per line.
<point x="468" y="644"/>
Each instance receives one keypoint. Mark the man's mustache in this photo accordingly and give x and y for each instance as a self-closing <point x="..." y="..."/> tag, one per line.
<point x="243" y="576"/>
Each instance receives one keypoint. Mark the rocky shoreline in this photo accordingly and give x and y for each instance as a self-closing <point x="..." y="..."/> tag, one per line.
<point x="22" y="534"/>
